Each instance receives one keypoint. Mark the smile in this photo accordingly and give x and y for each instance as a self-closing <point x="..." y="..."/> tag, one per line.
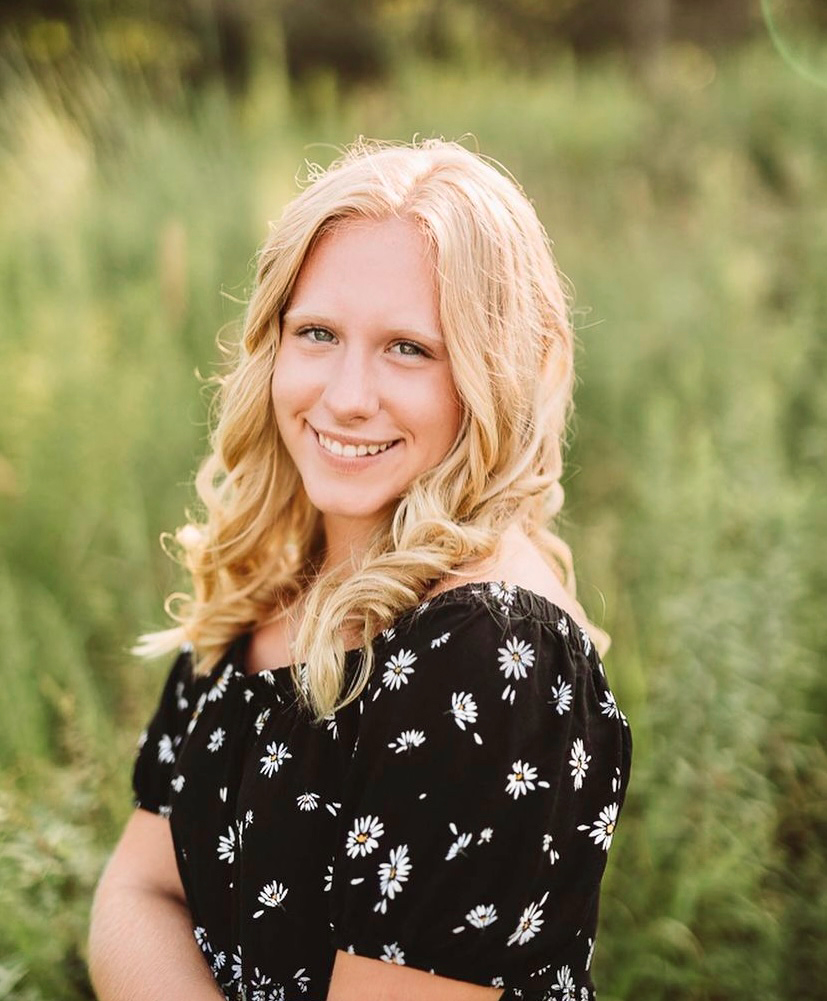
<point x="352" y="451"/>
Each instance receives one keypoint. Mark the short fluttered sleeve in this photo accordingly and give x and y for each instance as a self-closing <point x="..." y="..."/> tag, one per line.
<point x="159" y="743"/>
<point x="482" y="797"/>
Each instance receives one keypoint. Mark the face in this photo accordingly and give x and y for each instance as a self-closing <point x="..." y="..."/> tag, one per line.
<point x="362" y="388"/>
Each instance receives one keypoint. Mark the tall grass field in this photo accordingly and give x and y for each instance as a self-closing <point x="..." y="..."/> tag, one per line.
<point x="688" y="207"/>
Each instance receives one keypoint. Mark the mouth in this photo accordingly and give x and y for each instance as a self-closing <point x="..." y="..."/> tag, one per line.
<point x="354" y="451"/>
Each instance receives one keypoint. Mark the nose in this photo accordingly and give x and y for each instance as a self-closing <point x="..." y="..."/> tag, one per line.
<point x="352" y="390"/>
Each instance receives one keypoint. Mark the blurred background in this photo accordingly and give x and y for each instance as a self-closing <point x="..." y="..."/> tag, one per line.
<point x="676" y="151"/>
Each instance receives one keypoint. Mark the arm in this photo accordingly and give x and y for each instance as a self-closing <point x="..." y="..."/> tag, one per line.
<point x="141" y="946"/>
<point x="356" y="978"/>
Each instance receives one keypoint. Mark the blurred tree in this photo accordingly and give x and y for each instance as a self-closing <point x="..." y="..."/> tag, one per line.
<point x="345" y="38"/>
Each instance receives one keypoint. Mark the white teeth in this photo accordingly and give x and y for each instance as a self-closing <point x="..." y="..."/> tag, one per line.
<point x="351" y="451"/>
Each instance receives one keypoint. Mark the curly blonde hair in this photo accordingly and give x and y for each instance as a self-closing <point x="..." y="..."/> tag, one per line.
<point x="504" y="313"/>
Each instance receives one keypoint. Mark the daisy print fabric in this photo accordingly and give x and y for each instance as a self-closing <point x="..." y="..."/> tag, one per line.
<point x="456" y="818"/>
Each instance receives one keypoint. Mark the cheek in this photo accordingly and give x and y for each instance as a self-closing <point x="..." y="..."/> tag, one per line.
<point x="443" y="415"/>
<point x="289" y="386"/>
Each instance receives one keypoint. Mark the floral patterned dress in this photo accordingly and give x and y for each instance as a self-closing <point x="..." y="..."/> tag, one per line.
<point x="455" y="818"/>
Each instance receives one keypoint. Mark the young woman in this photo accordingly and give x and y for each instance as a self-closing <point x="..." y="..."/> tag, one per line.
<point x="386" y="762"/>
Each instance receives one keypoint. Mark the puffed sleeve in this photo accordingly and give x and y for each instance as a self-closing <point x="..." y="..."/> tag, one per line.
<point x="159" y="743"/>
<point x="482" y="797"/>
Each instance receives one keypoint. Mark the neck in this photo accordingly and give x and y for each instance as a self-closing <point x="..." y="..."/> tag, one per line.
<point x="346" y="541"/>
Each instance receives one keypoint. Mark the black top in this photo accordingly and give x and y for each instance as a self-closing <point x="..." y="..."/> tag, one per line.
<point x="455" y="818"/>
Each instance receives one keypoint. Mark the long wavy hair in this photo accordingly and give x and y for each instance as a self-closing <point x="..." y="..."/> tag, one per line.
<point x="257" y="543"/>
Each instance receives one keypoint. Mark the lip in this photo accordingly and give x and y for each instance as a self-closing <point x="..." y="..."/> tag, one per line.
<point x="351" y="463"/>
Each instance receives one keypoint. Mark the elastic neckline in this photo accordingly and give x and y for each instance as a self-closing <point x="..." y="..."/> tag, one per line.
<point x="522" y="599"/>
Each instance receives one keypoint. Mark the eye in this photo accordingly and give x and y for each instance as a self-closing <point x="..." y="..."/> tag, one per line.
<point x="410" y="349"/>
<point x="316" y="335"/>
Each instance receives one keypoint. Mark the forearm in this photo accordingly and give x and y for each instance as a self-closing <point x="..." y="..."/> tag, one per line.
<point x="141" y="948"/>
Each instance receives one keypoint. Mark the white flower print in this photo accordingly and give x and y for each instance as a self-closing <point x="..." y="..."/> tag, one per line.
<point x="584" y="994"/>
<point x="460" y="843"/>
<point x="604" y="827"/>
<point x="515" y="657"/>
<point x="302" y="980"/>
<point x="587" y="642"/>
<point x="610" y="708"/>
<point x="235" y="967"/>
<point x="178" y="783"/>
<point x="407" y="740"/>
<point x="591" y="953"/>
<point x="219" y="959"/>
<point x="393" y="954"/>
<point x="180" y="700"/>
<point x="497" y="982"/>
<point x="271" y="895"/>
<point x="529" y="924"/>
<point x="364" y="836"/>
<point x="561" y="695"/>
<point x="440" y="640"/>
<point x="275" y="757"/>
<point x="226" y="846"/>
<point x="482" y="915"/>
<point x="199" y="708"/>
<point x="328" y="878"/>
<point x="248" y="818"/>
<point x="392" y="874"/>
<point x="261" y="719"/>
<point x="166" y="754"/>
<point x="332" y="725"/>
<point x="388" y="634"/>
<point x="502" y="592"/>
<point x="463" y="709"/>
<point x="553" y="854"/>
<point x="579" y="762"/>
<point x="563" y="626"/>
<point x="142" y="739"/>
<point x="565" y="983"/>
<point x="398" y="669"/>
<point x="201" y="941"/>
<point x="221" y="684"/>
<point x="216" y="739"/>
<point x="521" y="779"/>
<point x="485" y="835"/>
<point x="165" y="811"/>
<point x="333" y="808"/>
<point x="308" y="801"/>
<point x="262" y="990"/>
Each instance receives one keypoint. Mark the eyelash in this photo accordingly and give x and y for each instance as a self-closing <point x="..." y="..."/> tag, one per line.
<point x="420" y="351"/>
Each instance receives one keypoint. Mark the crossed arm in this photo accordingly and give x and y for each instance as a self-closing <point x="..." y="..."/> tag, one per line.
<point x="141" y="946"/>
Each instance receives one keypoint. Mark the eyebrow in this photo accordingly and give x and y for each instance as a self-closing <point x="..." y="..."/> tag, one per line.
<point x="301" y="317"/>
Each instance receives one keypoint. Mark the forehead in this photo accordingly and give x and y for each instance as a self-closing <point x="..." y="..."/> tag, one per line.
<point x="366" y="269"/>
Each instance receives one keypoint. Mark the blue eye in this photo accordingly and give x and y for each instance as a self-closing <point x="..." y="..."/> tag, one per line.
<point x="310" y="334"/>
<point x="410" y="349"/>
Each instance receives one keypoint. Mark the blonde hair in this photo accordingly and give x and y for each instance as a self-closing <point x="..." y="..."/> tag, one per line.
<point x="504" y="312"/>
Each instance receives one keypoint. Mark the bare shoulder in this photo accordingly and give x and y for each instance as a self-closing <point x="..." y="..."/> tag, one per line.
<point x="518" y="561"/>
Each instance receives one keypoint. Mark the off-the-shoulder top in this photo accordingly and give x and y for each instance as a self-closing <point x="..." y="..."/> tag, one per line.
<point x="455" y="818"/>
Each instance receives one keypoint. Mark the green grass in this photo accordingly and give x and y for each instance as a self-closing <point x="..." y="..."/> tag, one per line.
<point x="690" y="210"/>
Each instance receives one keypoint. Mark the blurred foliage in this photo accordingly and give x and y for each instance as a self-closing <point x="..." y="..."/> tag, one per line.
<point x="689" y="206"/>
<point x="200" y="41"/>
